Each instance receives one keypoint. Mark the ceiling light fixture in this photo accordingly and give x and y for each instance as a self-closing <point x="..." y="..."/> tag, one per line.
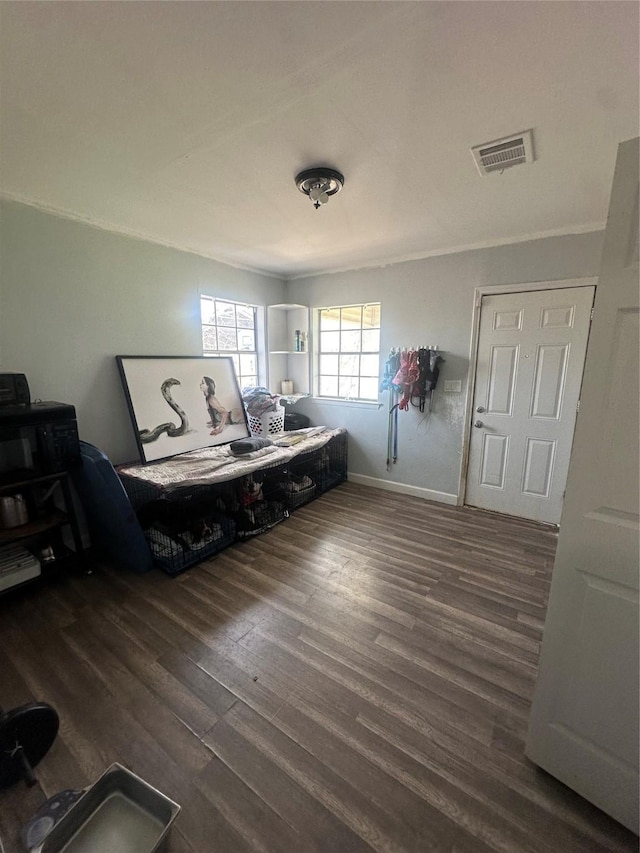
<point x="319" y="183"/>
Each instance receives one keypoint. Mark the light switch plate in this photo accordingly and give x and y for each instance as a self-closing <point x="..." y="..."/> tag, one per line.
<point x="452" y="386"/>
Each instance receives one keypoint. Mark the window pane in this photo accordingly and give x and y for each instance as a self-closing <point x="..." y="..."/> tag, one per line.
<point x="245" y="316"/>
<point x="209" y="337"/>
<point x="226" y="313"/>
<point x="371" y="341"/>
<point x="352" y="317"/>
<point x="227" y="338"/>
<point x="348" y="386"/>
<point x="229" y="329"/>
<point x="349" y="365"/>
<point x="350" y="341"/>
<point x="371" y="317"/>
<point x="248" y="364"/>
<point x="246" y="340"/>
<point x="208" y="311"/>
<point x="369" y="365"/>
<point x="329" y="319"/>
<point x="329" y="341"/>
<point x="329" y="364"/>
<point x="328" y="386"/>
<point x="369" y="389"/>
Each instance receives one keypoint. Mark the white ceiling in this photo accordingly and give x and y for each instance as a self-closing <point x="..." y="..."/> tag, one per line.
<point x="186" y="122"/>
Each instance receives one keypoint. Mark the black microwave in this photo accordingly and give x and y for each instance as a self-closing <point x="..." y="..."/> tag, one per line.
<point x="38" y="439"/>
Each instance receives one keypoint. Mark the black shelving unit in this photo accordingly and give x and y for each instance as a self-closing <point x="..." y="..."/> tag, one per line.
<point x="52" y="533"/>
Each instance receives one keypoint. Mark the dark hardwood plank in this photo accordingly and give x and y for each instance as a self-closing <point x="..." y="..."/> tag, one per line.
<point x="358" y="679"/>
<point x="395" y="781"/>
<point x="343" y="799"/>
<point x="260" y="826"/>
<point x="318" y="829"/>
<point x="375" y="679"/>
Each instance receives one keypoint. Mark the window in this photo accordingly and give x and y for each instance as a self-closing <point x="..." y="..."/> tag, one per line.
<point x="349" y="352"/>
<point x="230" y="328"/>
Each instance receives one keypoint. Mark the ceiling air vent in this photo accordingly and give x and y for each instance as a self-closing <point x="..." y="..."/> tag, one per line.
<point x="500" y="154"/>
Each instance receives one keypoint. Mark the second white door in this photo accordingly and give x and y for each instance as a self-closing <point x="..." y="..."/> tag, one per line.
<point x="531" y="354"/>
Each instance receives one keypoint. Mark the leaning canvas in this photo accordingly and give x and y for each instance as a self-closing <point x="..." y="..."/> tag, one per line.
<point x="181" y="403"/>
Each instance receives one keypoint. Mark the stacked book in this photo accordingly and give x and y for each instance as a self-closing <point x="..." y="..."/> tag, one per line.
<point x="16" y="566"/>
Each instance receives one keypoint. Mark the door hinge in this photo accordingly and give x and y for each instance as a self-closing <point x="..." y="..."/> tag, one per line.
<point x="578" y="406"/>
<point x="591" y="315"/>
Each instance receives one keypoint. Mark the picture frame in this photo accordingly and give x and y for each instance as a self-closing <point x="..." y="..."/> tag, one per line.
<point x="181" y="403"/>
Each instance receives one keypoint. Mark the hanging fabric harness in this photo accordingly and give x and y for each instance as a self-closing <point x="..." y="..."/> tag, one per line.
<point x="428" y="372"/>
<point x="391" y="367"/>
<point x="406" y="377"/>
<point x="413" y="374"/>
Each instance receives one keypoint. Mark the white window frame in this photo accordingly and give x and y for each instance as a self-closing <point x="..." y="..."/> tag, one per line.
<point x="259" y="338"/>
<point x="319" y="353"/>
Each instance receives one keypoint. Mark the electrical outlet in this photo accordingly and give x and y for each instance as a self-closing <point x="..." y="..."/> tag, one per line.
<point x="452" y="386"/>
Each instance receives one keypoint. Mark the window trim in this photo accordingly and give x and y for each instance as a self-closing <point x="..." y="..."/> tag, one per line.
<point x="347" y="403"/>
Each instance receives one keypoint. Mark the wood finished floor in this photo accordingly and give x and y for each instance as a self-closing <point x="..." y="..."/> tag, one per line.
<point x="357" y="679"/>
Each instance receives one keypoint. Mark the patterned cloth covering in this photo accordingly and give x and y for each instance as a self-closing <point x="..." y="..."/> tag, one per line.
<point x="218" y="464"/>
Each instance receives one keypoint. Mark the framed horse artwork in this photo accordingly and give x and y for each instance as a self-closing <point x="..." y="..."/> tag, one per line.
<point x="181" y="403"/>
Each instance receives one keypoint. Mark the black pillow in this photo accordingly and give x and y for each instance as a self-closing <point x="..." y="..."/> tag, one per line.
<point x="248" y="445"/>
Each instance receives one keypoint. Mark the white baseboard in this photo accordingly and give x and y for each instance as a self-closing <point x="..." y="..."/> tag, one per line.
<point x="403" y="489"/>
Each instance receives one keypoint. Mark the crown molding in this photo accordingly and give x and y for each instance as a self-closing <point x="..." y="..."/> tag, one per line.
<point x="379" y="263"/>
<point x="283" y="276"/>
<point x="102" y="225"/>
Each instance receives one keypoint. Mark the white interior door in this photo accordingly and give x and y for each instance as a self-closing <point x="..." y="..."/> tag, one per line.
<point x="530" y="360"/>
<point x="584" y="720"/>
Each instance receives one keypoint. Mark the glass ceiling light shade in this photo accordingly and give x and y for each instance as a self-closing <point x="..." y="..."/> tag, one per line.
<point x="319" y="183"/>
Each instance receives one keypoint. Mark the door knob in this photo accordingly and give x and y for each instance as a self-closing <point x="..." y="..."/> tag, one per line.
<point x="480" y="410"/>
<point x="478" y="424"/>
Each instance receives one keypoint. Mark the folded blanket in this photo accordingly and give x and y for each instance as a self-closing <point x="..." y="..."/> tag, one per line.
<point x="210" y="465"/>
<point x="248" y="445"/>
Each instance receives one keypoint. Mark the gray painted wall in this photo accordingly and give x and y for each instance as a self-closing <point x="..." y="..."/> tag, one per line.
<point x="72" y="297"/>
<point x="430" y="301"/>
